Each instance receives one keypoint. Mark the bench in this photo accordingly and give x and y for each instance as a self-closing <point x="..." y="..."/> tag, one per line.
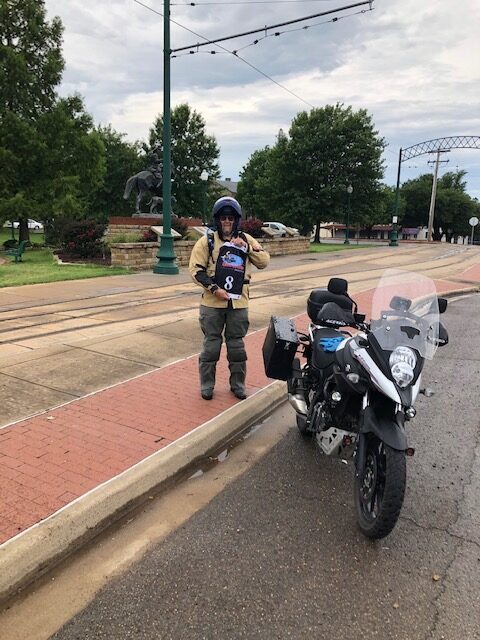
<point x="17" y="253"/>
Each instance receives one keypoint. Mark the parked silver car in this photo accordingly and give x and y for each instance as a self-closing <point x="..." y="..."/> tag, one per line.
<point x="33" y="225"/>
<point x="281" y="230"/>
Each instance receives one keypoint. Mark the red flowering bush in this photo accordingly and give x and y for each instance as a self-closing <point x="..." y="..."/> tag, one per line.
<point x="149" y="236"/>
<point x="82" y="238"/>
<point x="253" y="226"/>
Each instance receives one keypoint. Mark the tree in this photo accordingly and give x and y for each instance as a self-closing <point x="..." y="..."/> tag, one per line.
<point x="74" y="166"/>
<point x="122" y="159"/>
<point x="31" y="65"/>
<point x="453" y="206"/>
<point x="31" y="62"/>
<point x="53" y="159"/>
<point x="306" y="174"/>
<point x="249" y="187"/>
<point x="193" y="151"/>
<point x="55" y="162"/>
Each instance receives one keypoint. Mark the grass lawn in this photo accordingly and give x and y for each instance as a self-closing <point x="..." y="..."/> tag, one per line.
<point x="323" y="247"/>
<point x="39" y="266"/>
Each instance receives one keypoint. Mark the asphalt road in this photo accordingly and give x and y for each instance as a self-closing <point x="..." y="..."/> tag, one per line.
<point x="277" y="553"/>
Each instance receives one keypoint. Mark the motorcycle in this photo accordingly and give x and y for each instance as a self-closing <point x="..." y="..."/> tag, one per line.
<point x="356" y="390"/>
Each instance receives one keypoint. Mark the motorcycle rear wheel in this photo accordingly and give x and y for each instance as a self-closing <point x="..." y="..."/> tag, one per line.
<point x="379" y="495"/>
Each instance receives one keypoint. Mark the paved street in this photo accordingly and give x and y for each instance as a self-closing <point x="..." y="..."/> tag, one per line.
<point x="277" y="554"/>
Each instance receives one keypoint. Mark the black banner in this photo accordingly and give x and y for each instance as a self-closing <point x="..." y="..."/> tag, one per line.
<point x="230" y="269"/>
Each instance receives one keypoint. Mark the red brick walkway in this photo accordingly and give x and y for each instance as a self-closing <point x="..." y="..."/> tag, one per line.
<point x="49" y="460"/>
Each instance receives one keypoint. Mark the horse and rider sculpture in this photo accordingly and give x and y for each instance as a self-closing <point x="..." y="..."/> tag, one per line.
<point x="150" y="180"/>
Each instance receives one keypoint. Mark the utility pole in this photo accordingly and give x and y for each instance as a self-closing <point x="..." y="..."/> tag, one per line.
<point x="166" y="254"/>
<point x="431" y="213"/>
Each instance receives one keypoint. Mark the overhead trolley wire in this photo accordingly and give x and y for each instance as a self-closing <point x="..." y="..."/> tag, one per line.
<point x="277" y="33"/>
<point x="204" y="4"/>
<point x="270" y="27"/>
<point x="235" y="52"/>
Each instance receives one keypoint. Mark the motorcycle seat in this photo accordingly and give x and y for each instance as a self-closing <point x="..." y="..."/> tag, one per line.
<point x="325" y="343"/>
<point x="319" y="297"/>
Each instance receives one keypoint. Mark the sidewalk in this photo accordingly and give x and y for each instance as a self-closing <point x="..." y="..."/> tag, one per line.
<point x="69" y="471"/>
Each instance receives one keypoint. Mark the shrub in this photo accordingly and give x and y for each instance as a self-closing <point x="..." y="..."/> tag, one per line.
<point x="82" y="238"/>
<point x="125" y="237"/>
<point x="253" y="226"/>
<point x="149" y="236"/>
<point x="180" y="226"/>
<point x="10" y="244"/>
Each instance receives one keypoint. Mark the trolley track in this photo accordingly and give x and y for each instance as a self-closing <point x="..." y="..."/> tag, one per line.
<point x="44" y="317"/>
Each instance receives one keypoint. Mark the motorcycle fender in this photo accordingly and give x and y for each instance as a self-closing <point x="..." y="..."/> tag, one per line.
<point x="391" y="431"/>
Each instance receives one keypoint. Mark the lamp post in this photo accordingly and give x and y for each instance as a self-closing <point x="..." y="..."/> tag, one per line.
<point x="394" y="236"/>
<point x="204" y="179"/>
<point x="166" y="254"/>
<point x="349" y="193"/>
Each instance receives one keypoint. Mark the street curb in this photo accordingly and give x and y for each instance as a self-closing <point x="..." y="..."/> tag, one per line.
<point x="460" y="292"/>
<point x="40" y="548"/>
<point x="26" y="557"/>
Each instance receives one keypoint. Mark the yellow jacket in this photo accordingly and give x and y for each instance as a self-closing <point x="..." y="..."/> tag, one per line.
<point x="202" y="268"/>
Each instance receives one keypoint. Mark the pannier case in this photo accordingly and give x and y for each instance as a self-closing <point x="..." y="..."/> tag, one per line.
<point x="279" y="348"/>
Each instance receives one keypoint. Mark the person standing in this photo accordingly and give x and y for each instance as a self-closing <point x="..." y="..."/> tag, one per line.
<point x="220" y="263"/>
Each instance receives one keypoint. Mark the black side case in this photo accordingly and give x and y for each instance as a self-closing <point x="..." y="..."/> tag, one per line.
<point x="279" y="348"/>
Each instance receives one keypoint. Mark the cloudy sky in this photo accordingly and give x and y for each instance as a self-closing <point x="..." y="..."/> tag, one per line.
<point x="415" y="66"/>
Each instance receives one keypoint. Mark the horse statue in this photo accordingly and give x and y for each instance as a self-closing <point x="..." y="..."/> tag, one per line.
<point x="150" y="179"/>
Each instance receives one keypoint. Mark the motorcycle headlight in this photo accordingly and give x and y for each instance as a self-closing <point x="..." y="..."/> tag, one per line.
<point x="402" y="364"/>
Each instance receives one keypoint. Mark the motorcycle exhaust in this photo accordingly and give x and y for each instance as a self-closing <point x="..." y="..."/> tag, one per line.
<point x="298" y="403"/>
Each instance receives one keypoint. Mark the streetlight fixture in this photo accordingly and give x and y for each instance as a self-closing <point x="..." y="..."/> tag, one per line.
<point x="349" y="193"/>
<point x="204" y="178"/>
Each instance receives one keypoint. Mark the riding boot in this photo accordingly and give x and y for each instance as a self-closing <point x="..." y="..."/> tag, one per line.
<point x="238" y="372"/>
<point x="207" y="378"/>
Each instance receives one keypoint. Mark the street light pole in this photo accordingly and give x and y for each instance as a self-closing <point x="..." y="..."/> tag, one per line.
<point x="431" y="213"/>
<point x="349" y="193"/>
<point x="166" y="254"/>
<point x="394" y="235"/>
<point x="204" y="179"/>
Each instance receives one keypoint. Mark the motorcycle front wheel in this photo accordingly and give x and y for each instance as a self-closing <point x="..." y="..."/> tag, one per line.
<point x="379" y="494"/>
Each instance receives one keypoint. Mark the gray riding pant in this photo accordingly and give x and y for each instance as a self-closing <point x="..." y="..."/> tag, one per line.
<point x="233" y="323"/>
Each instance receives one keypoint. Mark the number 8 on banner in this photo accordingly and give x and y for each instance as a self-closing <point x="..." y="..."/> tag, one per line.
<point x="228" y="283"/>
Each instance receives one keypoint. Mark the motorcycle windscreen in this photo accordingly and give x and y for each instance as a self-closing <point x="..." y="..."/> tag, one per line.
<point x="405" y="312"/>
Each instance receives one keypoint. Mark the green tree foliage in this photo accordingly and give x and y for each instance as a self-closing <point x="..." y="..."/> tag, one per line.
<point x="122" y="160"/>
<point x="250" y="185"/>
<point x="54" y="163"/>
<point x="302" y="180"/>
<point x="31" y="62"/>
<point x="453" y="206"/>
<point x="193" y="151"/>
<point x="53" y="158"/>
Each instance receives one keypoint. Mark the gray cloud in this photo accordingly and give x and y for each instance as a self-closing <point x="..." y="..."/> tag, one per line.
<point x="414" y="66"/>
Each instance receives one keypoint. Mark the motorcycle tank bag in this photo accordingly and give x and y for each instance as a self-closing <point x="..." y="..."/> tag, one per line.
<point x="325" y="343"/>
<point x="319" y="297"/>
<point x="279" y="348"/>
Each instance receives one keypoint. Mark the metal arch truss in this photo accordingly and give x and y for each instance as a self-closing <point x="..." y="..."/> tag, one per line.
<point x="440" y="144"/>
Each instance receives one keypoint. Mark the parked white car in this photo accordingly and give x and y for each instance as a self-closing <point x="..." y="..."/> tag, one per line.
<point x="281" y="230"/>
<point x="33" y="225"/>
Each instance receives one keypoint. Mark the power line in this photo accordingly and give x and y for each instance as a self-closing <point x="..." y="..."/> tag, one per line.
<point x="204" y="4"/>
<point x="231" y="52"/>
<point x="279" y="33"/>
<point x="273" y="26"/>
